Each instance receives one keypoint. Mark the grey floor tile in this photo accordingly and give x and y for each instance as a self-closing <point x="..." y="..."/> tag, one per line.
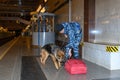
<point x="108" y="79"/>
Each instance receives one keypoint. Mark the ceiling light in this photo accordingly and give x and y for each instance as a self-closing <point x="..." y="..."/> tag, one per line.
<point x="39" y="8"/>
<point x="45" y="1"/>
<point x="43" y="10"/>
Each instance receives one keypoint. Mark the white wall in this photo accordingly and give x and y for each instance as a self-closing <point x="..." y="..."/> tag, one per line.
<point x="96" y="53"/>
<point x="77" y="12"/>
<point x="107" y="28"/>
<point x="63" y="14"/>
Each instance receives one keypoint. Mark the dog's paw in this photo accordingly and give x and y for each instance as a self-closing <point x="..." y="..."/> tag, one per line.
<point x="57" y="68"/>
<point x="60" y="68"/>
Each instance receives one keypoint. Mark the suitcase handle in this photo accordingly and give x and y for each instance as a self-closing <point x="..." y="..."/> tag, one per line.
<point x="75" y="62"/>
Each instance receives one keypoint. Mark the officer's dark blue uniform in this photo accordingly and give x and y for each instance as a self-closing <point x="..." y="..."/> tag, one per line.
<point x="74" y="32"/>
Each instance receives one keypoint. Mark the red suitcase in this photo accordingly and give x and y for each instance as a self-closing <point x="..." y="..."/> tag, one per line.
<point x="74" y="66"/>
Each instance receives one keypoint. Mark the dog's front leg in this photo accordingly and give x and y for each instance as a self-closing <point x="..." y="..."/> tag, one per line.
<point x="55" y="61"/>
<point x="59" y="64"/>
<point x="44" y="56"/>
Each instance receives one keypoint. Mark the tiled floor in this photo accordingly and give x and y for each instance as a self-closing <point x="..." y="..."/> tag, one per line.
<point x="94" y="72"/>
<point x="10" y="65"/>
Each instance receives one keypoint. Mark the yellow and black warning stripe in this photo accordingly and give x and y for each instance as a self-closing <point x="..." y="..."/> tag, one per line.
<point x="112" y="48"/>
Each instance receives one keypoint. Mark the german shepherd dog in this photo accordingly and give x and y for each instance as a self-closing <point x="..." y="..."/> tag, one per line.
<point x="54" y="51"/>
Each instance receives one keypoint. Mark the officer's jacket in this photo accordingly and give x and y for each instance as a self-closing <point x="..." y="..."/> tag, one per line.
<point x="73" y="31"/>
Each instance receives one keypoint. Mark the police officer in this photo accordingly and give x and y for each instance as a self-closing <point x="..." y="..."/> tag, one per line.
<point x="72" y="31"/>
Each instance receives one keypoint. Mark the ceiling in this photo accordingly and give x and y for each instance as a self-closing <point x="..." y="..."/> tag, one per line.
<point x="18" y="8"/>
<point x="13" y="10"/>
